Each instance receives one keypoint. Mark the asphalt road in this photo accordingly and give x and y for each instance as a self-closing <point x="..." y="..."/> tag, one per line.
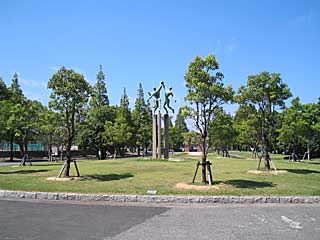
<point x="57" y="220"/>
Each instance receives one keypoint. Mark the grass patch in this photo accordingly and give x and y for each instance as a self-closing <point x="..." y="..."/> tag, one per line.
<point x="136" y="176"/>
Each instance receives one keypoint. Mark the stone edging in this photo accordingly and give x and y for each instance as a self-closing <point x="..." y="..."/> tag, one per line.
<point x="6" y="194"/>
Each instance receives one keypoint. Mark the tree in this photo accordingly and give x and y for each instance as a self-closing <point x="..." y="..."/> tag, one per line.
<point x="50" y="129"/>
<point x="4" y="92"/>
<point x="180" y="122"/>
<point x="4" y="96"/>
<point x="100" y="94"/>
<point x="206" y="92"/>
<point x="16" y="100"/>
<point x="311" y="131"/>
<point x="247" y="128"/>
<point x="119" y="133"/>
<point x="291" y="131"/>
<point x="24" y="123"/>
<point x="222" y="132"/>
<point x="92" y="129"/>
<point x="139" y="120"/>
<point x="69" y="96"/>
<point x="300" y="128"/>
<point x="266" y="93"/>
<point x="15" y="89"/>
<point x="176" y="140"/>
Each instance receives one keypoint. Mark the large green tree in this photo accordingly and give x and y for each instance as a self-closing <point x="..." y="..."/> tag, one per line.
<point x="176" y="140"/>
<point x="247" y="127"/>
<point x="119" y="133"/>
<point x="69" y="96"/>
<point x="139" y="120"/>
<point x="266" y="92"/>
<point x="92" y="129"/>
<point x="300" y="128"/>
<point x="205" y="93"/>
<point x="100" y="94"/>
<point x="222" y="132"/>
<point x="15" y="102"/>
<point x="24" y="121"/>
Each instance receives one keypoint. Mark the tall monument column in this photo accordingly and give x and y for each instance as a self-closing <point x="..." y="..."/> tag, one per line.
<point x="159" y="135"/>
<point x="154" y="136"/>
<point x="166" y="136"/>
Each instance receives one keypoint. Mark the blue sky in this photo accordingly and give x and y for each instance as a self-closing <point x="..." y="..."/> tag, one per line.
<point x="150" y="41"/>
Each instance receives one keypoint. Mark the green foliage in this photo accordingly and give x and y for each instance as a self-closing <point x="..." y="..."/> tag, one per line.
<point x="300" y="127"/>
<point x="247" y="127"/>
<point x="15" y="90"/>
<point x="4" y="92"/>
<point x="222" y="132"/>
<point x="141" y="121"/>
<point x="266" y="93"/>
<point x="99" y="94"/>
<point x="91" y="135"/>
<point x="69" y="96"/>
<point x="205" y="92"/>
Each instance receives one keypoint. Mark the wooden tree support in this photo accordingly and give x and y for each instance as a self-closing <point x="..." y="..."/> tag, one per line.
<point x="64" y="166"/>
<point x="207" y="164"/>
<point x="274" y="166"/>
<point x="25" y="159"/>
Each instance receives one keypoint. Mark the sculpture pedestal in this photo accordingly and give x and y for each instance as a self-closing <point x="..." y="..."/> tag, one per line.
<point x="154" y="136"/>
<point x="166" y="136"/>
<point x="159" y="135"/>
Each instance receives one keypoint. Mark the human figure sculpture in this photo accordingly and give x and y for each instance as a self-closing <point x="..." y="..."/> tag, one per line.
<point x="166" y="104"/>
<point x="156" y="95"/>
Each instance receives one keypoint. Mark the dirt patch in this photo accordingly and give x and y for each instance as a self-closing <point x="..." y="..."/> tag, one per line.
<point x="194" y="153"/>
<point x="176" y="159"/>
<point x="271" y="172"/>
<point x="63" y="179"/>
<point x="199" y="188"/>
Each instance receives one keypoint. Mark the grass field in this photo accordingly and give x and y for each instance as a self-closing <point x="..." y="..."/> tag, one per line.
<point x="136" y="176"/>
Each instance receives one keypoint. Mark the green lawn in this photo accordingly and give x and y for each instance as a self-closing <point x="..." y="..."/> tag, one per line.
<point x="136" y="176"/>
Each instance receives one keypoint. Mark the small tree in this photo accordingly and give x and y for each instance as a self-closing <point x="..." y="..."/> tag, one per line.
<point x="91" y="132"/>
<point x="139" y="121"/>
<point x="247" y="128"/>
<point x="266" y="93"/>
<point x="70" y="93"/>
<point x="222" y="132"/>
<point x="206" y="92"/>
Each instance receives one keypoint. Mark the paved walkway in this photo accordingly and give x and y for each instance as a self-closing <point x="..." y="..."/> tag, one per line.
<point x="69" y="220"/>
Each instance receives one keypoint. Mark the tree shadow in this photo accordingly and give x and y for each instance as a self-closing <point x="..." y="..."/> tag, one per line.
<point x="25" y="171"/>
<point x="108" y="177"/>
<point x="239" y="183"/>
<point x="302" y="171"/>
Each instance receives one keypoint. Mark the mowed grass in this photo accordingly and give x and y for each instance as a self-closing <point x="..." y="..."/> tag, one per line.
<point x="136" y="176"/>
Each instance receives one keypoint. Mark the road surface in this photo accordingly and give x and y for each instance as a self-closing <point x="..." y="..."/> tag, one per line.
<point x="64" y="220"/>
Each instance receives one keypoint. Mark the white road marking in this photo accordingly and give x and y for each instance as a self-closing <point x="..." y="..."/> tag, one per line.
<point x="260" y="218"/>
<point x="292" y="224"/>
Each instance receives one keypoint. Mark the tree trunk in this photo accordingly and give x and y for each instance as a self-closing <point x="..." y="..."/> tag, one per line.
<point x="23" y="160"/>
<point x="138" y="151"/>
<point x="204" y="160"/>
<point x="266" y="158"/>
<point x="50" y="152"/>
<point x="67" y="161"/>
<point x="308" y="151"/>
<point x="11" y="147"/>
<point x="61" y="153"/>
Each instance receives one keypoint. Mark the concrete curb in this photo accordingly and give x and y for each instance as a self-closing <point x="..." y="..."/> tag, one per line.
<point x="6" y="194"/>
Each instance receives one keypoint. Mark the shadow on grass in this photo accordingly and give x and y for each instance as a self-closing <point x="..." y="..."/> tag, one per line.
<point x="108" y="177"/>
<point x="25" y="171"/>
<point x="239" y="183"/>
<point x="302" y="171"/>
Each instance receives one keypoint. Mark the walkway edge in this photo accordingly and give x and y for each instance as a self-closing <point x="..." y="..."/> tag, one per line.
<point x="7" y="194"/>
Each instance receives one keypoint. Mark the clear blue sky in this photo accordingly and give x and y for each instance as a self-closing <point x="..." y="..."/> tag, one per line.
<point x="149" y="41"/>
